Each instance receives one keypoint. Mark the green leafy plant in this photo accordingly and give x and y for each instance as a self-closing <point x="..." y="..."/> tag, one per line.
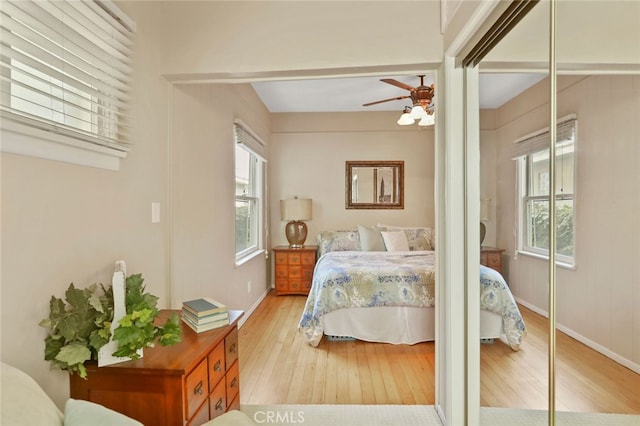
<point x="81" y="324"/>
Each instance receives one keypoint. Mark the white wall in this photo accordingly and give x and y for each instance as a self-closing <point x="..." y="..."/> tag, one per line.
<point x="308" y="154"/>
<point x="488" y="173"/>
<point x="203" y="193"/>
<point x="64" y="223"/>
<point x="243" y="39"/>
<point x="599" y="301"/>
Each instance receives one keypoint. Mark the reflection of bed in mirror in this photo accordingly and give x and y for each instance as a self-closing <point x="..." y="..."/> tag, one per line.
<point x="388" y="296"/>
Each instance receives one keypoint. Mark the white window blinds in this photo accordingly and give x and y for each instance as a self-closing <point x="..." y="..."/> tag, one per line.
<point x="65" y="67"/>
<point x="565" y="130"/>
<point x="244" y="136"/>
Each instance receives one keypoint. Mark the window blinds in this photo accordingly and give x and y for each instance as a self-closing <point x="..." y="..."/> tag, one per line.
<point x="566" y="128"/>
<point x="244" y="136"/>
<point x="65" y="67"/>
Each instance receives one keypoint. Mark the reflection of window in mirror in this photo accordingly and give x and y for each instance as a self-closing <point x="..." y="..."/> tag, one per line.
<point x="374" y="184"/>
<point x="354" y="188"/>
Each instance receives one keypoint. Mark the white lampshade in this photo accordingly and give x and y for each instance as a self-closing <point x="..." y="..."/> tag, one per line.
<point x="417" y="112"/>
<point x="295" y="209"/>
<point x="484" y="209"/>
<point x="429" y="120"/>
<point x="405" y="119"/>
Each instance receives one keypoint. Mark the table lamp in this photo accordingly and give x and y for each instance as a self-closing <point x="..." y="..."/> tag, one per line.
<point x="484" y="216"/>
<point x="295" y="210"/>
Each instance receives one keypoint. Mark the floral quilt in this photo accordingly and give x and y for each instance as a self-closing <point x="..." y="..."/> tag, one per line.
<point x="348" y="279"/>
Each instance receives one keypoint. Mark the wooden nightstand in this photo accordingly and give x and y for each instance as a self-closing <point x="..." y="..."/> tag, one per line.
<point x="491" y="257"/>
<point x="185" y="384"/>
<point x="294" y="269"/>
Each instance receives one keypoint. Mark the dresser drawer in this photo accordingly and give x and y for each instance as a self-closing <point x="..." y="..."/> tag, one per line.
<point x="201" y="416"/>
<point x="307" y="273"/>
<point x="281" y="258"/>
<point x="295" y="271"/>
<point x="282" y="271"/>
<point x="494" y="259"/>
<point x="197" y="389"/>
<point x="308" y="258"/>
<point x="234" y="404"/>
<point x="231" y="348"/>
<point x="216" y="365"/>
<point x="232" y="382"/>
<point x="294" y="258"/>
<point x="295" y="285"/>
<point x="218" y="400"/>
<point x="282" y="284"/>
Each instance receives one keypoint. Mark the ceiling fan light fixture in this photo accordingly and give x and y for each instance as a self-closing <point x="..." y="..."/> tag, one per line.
<point x="405" y="119"/>
<point x="429" y="120"/>
<point x="418" y="112"/>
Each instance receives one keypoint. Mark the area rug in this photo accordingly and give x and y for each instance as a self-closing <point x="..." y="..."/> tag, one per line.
<point x="418" y="415"/>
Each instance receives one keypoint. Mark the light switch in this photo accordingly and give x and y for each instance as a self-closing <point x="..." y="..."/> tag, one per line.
<point x="155" y="212"/>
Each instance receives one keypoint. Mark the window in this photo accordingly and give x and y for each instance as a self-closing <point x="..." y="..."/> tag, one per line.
<point x="249" y="190"/>
<point x="65" y="69"/>
<point x="533" y="184"/>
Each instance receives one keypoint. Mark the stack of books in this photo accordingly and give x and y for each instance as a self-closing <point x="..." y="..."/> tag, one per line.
<point x="204" y="314"/>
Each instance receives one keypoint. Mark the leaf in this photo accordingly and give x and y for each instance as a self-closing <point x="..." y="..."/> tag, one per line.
<point x="171" y="333"/>
<point x="52" y="347"/>
<point x="81" y="324"/>
<point x="96" y="302"/>
<point x="74" y="353"/>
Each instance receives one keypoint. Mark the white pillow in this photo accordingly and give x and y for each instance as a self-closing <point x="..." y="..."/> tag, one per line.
<point x="78" y="412"/>
<point x="395" y="240"/>
<point x="370" y="238"/>
<point x="24" y="402"/>
<point x="231" y="418"/>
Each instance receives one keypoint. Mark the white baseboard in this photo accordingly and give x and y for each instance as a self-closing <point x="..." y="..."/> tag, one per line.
<point x="580" y="338"/>
<point x="252" y="308"/>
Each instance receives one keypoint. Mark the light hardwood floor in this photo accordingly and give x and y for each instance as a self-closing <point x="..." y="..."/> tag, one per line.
<point x="277" y="366"/>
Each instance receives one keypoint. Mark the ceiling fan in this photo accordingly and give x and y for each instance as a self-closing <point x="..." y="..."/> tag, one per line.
<point x="421" y="98"/>
<point x="421" y="95"/>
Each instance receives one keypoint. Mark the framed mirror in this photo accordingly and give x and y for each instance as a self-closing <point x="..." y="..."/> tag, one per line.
<point x="374" y="185"/>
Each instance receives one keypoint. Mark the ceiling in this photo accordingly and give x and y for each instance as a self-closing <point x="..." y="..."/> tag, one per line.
<point x="348" y="94"/>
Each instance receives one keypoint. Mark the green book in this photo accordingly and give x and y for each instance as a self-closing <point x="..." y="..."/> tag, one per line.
<point x="205" y="319"/>
<point x="204" y="306"/>
<point x="205" y="327"/>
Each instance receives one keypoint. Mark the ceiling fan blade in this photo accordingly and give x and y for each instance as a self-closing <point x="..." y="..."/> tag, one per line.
<point x="398" y="84"/>
<point x="386" y="100"/>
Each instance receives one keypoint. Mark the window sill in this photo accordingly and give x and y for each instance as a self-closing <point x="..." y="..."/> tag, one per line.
<point x="21" y="139"/>
<point x="563" y="265"/>
<point x="241" y="261"/>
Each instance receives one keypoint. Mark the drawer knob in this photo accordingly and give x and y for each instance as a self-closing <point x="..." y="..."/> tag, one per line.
<point x="234" y="382"/>
<point x="219" y="405"/>
<point x="217" y="366"/>
<point x="232" y="348"/>
<point x="198" y="388"/>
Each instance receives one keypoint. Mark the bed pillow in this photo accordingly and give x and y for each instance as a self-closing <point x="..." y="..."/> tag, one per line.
<point x="338" y="241"/>
<point x="78" y="412"/>
<point x="419" y="238"/>
<point x="395" y="240"/>
<point x="371" y="238"/>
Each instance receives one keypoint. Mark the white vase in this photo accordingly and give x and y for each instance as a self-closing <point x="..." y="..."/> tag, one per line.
<point x="118" y="283"/>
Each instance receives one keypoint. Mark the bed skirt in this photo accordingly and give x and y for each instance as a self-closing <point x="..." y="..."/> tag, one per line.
<point x="397" y="325"/>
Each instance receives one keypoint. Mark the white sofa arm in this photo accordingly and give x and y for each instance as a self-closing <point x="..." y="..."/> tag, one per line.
<point x="24" y="402"/>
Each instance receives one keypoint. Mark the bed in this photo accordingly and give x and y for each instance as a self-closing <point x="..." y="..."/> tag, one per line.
<point x="388" y="296"/>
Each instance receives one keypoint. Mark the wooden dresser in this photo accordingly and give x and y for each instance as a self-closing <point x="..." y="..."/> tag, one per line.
<point x="491" y="257"/>
<point x="294" y="269"/>
<point x="185" y="384"/>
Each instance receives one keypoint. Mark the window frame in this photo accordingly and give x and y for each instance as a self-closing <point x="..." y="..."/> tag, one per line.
<point x="99" y="142"/>
<point x="524" y="188"/>
<point x="246" y="139"/>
